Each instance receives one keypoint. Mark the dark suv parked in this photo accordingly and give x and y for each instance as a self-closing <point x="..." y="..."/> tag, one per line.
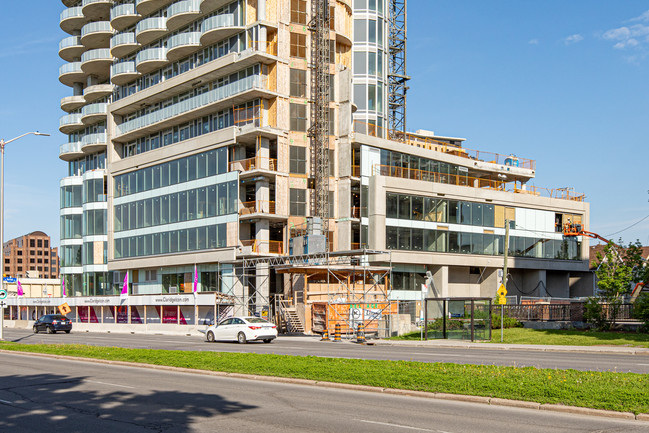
<point x="52" y="323"/>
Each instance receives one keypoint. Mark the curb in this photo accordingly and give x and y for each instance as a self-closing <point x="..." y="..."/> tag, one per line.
<point x="493" y="401"/>
<point x="538" y="348"/>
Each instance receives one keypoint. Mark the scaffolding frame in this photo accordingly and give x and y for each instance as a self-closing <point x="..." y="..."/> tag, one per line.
<point x="397" y="77"/>
<point x="319" y="129"/>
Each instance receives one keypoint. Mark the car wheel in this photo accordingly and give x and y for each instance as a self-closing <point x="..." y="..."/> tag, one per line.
<point x="50" y="330"/>
<point x="210" y="337"/>
<point x="268" y="340"/>
<point x="67" y="332"/>
<point x="35" y="330"/>
<point x="241" y="338"/>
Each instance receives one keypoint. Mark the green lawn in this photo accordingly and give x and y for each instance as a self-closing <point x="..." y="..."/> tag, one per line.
<point x="570" y="338"/>
<point x="600" y="390"/>
<point x="559" y="337"/>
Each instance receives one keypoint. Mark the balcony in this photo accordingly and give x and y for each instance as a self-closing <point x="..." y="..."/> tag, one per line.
<point x="70" y="151"/>
<point x="150" y="29"/>
<point x="217" y="28"/>
<point x="97" y="9"/>
<point x="97" y="62"/>
<point x="94" y="113"/>
<point x="259" y="247"/>
<point x="178" y="46"/>
<point x="71" y="20"/>
<point x="70" y="123"/>
<point x="71" y="73"/>
<point x="71" y="48"/>
<point x="145" y="7"/>
<point x="123" y="16"/>
<point x="92" y="93"/>
<point x="123" y="44"/>
<point x="181" y="13"/>
<point x="96" y="34"/>
<point x="124" y="72"/>
<point x="70" y="103"/>
<point x="254" y="163"/>
<point x="260" y="208"/>
<point x="91" y="143"/>
<point x="196" y="106"/>
<point x="150" y="59"/>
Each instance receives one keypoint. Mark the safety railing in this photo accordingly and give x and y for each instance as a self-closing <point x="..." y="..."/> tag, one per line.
<point x="254" y="163"/>
<point x="440" y="146"/>
<point x="356" y="170"/>
<point x="215" y="95"/>
<point x="257" y="206"/>
<point x="263" y="247"/>
<point x="269" y="47"/>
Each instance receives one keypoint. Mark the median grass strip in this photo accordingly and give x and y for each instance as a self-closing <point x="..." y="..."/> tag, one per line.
<point x="626" y="392"/>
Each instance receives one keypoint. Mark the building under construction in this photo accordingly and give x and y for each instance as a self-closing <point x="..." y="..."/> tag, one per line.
<point x="256" y="151"/>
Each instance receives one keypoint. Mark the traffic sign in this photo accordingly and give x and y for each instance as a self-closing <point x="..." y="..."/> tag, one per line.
<point x="502" y="291"/>
<point x="502" y="300"/>
<point x="3" y="294"/>
<point x="64" y="308"/>
<point x="9" y="280"/>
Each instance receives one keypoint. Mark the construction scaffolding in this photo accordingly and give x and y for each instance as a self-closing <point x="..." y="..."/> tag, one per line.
<point x="397" y="77"/>
<point x="323" y="289"/>
<point x="319" y="130"/>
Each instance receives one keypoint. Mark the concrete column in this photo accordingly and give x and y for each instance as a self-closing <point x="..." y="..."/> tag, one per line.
<point x="263" y="153"/>
<point x="344" y="224"/>
<point x="262" y="235"/>
<point x="262" y="196"/>
<point x="535" y="280"/>
<point x="261" y="10"/>
<point x="376" y="212"/>
<point x="440" y="278"/>
<point x="77" y="89"/>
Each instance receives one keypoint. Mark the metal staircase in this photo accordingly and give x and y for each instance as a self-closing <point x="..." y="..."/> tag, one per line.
<point x="288" y="319"/>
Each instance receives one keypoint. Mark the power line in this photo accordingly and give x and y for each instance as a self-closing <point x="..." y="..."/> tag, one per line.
<point x="634" y="224"/>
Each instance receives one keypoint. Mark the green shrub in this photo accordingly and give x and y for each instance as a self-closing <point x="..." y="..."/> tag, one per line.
<point x="641" y="310"/>
<point x="594" y="314"/>
<point x="508" y="322"/>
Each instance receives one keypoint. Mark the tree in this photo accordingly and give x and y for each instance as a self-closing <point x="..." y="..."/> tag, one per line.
<point x="615" y="273"/>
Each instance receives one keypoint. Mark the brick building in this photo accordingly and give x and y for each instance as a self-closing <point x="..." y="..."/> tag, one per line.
<point x="31" y="253"/>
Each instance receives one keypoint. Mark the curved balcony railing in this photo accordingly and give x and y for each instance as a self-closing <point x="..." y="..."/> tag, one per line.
<point x="96" y="27"/>
<point x="70" y="68"/>
<point x="127" y="67"/>
<point x="93" y="109"/>
<point x="127" y="38"/>
<point x="154" y="23"/>
<point x="70" y="148"/>
<point x="97" y="54"/>
<point x="217" y="22"/>
<point x="183" y="40"/>
<point x="70" y="120"/>
<point x="151" y="54"/>
<point x="124" y="15"/>
<point x="184" y="7"/>
<point x="70" y="41"/>
<point x="215" y="95"/>
<point x="69" y="13"/>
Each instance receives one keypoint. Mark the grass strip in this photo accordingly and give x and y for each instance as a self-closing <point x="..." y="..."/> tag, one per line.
<point x="558" y="337"/>
<point x="627" y="392"/>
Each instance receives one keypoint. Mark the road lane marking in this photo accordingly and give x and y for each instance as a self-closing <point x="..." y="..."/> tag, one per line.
<point x="643" y="364"/>
<point x="110" y="384"/>
<point x="6" y="402"/>
<point x="399" y="426"/>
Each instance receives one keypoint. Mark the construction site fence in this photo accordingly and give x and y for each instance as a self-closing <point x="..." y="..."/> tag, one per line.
<point x="566" y="312"/>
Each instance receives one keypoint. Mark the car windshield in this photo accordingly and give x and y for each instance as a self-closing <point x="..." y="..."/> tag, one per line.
<point x="256" y="320"/>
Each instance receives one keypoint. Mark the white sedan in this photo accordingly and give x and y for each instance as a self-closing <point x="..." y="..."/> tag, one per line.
<point x="242" y="329"/>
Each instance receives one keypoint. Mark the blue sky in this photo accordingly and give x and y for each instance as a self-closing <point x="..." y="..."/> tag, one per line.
<point x="565" y="83"/>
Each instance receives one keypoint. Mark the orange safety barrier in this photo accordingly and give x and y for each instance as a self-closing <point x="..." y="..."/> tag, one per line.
<point x="262" y="247"/>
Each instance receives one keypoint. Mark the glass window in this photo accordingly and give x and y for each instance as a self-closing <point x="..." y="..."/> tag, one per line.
<point x="360" y="30"/>
<point x="298" y="11"/>
<point x="404" y="206"/>
<point x="298" y="202"/>
<point x="391" y="237"/>
<point x="360" y="62"/>
<point x="372" y="31"/>
<point x="417" y="239"/>
<point x="417" y="204"/>
<point x="476" y="214"/>
<point x="488" y="215"/>
<point x="298" y="45"/>
<point x="453" y="242"/>
<point x="298" y="117"/>
<point x="404" y="238"/>
<point x="298" y="83"/>
<point x="297" y="159"/>
<point x="391" y="205"/>
<point x="465" y="213"/>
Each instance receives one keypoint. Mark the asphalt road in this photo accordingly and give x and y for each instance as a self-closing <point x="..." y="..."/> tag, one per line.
<point x="45" y="395"/>
<point x="301" y="346"/>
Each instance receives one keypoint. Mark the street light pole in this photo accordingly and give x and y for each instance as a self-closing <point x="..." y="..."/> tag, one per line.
<point x="3" y="143"/>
